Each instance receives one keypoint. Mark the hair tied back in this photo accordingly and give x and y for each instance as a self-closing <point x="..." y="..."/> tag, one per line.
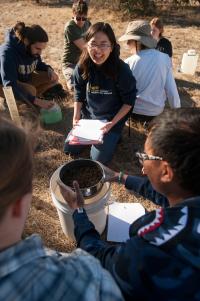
<point x="19" y="26"/>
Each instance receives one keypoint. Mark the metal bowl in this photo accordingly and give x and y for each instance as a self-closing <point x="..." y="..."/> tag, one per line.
<point x="75" y="164"/>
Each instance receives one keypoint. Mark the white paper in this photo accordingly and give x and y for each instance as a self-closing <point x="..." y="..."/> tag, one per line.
<point x="89" y="129"/>
<point x="120" y="217"/>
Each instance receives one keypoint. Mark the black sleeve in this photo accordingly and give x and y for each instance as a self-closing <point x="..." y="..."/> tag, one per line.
<point x="165" y="46"/>
<point x="79" y="86"/>
<point x="116" y="258"/>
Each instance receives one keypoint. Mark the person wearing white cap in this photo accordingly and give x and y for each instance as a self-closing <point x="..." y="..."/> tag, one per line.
<point x="152" y="70"/>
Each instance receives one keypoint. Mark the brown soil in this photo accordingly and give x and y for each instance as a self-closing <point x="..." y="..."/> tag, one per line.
<point x="43" y="218"/>
<point x="85" y="176"/>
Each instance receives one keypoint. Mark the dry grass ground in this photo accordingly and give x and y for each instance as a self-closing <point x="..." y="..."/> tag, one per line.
<point x="43" y="217"/>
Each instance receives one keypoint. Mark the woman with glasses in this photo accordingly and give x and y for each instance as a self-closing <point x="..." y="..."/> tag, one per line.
<point x="74" y="41"/>
<point x="105" y="89"/>
<point x="160" y="260"/>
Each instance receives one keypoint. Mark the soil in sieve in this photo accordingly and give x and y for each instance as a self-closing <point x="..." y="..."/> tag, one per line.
<point x="86" y="176"/>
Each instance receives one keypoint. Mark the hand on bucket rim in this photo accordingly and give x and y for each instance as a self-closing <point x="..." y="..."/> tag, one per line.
<point x="75" y="198"/>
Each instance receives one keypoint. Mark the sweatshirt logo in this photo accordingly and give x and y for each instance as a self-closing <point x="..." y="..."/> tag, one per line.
<point x="27" y="69"/>
<point x="97" y="90"/>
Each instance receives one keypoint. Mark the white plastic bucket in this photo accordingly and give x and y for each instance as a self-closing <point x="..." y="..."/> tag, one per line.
<point x="96" y="207"/>
<point x="189" y="62"/>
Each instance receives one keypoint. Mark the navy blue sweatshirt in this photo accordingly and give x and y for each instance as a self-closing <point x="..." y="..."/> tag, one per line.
<point x="16" y="64"/>
<point x="161" y="259"/>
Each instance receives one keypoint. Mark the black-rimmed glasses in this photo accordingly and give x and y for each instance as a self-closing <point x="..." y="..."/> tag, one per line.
<point x="143" y="156"/>
<point x="102" y="46"/>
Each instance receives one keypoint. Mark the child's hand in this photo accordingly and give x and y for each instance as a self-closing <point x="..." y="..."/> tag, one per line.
<point x="73" y="198"/>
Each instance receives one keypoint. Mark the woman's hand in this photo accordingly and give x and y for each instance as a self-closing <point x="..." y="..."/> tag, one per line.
<point x="44" y="104"/>
<point x="75" y="121"/>
<point x="106" y="128"/>
<point x="73" y="198"/>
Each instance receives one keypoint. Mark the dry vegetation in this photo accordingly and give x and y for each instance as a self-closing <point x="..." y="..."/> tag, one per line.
<point x="180" y="30"/>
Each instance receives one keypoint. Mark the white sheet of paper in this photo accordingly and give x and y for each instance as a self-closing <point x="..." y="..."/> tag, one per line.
<point x="120" y="217"/>
<point x="89" y="129"/>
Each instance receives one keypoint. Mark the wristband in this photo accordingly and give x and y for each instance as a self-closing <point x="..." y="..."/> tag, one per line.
<point x="120" y="177"/>
<point x="80" y="209"/>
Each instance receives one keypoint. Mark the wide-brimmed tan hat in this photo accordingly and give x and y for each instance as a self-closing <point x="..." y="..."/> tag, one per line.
<point x="139" y="30"/>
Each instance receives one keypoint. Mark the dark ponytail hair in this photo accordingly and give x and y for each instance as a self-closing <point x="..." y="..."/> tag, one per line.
<point x="34" y="33"/>
<point x="111" y="66"/>
<point x="80" y="8"/>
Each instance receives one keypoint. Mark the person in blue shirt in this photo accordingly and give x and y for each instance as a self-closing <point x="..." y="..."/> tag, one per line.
<point x="161" y="259"/>
<point x="104" y="88"/>
<point x="28" y="270"/>
<point x="21" y="66"/>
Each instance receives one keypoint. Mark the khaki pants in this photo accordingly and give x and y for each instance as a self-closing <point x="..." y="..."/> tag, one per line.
<point x="68" y="74"/>
<point x="38" y="84"/>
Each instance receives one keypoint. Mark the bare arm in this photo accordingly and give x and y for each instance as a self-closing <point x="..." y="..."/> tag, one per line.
<point x="80" y="43"/>
<point x="122" y="112"/>
<point x="77" y="112"/>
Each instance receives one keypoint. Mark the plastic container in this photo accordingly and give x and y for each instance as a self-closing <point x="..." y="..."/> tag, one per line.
<point x="96" y="207"/>
<point x="189" y="62"/>
<point x="52" y="115"/>
<point x="76" y="165"/>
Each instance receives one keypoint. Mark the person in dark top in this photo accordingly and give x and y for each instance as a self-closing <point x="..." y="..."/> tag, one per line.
<point x="160" y="260"/>
<point x="21" y="65"/>
<point x="104" y="89"/>
<point x="157" y="29"/>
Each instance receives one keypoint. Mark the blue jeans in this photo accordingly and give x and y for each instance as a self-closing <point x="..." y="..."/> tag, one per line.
<point x="100" y="152"/>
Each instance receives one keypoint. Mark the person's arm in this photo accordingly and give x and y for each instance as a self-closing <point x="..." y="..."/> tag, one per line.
<point x="171" y="90"/>
<point x="80" y="43"/>
<point x="122" y="112"/>
<point x="143" y="187"/>
<point x="77" y="112"/>
<point x="9" y="75"/>
<point x="126" y="87"/>
<point x="73" y="36"/>
<point x="115" y="258"/>
<point x="139" y="185"/>
<point x="41" y="66"/>
<point x="79" y="94"/>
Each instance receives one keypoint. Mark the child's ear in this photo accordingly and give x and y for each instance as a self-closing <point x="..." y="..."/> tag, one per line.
<point x="167" y="173"/>
<point x="17" y="208"/>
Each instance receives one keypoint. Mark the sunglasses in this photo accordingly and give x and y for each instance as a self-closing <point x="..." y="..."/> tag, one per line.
<point x="80" y="18"/>
<point x="143" y="156"/>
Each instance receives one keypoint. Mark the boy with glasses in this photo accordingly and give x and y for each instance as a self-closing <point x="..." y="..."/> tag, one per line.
<point x="74" y="41"/>
<point x="160" y="261"/>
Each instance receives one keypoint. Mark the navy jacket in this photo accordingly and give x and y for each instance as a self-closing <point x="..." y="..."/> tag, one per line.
<point x="16" y="64"/>
<point x="165" y="46"/>
<point x="102" y="96"/>
<point x="161" y="260"/>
